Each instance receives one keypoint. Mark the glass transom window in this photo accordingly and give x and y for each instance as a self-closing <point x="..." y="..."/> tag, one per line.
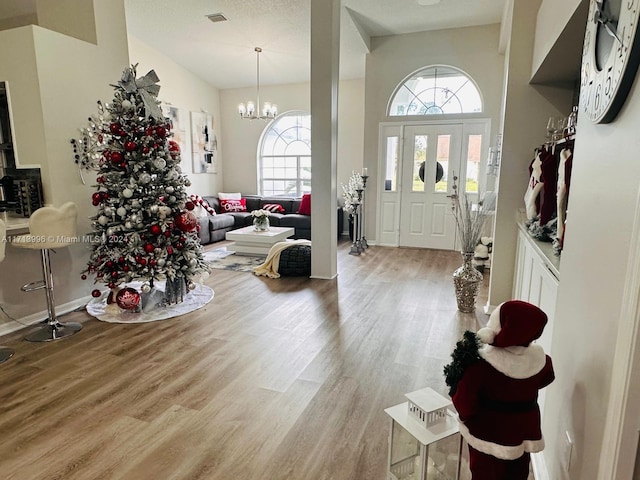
<point x="436" y="90"/>
<point x="285" y="156"/>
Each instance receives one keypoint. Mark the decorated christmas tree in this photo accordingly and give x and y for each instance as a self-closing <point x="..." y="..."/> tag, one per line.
<point x="143" y="230"/>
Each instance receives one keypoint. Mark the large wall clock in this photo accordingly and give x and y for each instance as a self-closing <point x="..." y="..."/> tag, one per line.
<point x="610" y="57"/>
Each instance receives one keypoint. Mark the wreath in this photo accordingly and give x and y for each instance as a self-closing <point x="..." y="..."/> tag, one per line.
<point x="464" y="355"/>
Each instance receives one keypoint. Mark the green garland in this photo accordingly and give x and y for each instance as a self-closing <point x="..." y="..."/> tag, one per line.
<point x="464" y="355"/>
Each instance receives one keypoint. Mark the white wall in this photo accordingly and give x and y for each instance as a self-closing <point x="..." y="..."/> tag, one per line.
<point x="54" y="83"/>
<point x="240" y="137"/>
<point x="551" y="19"/>
<point x="184" y="90"/>
<point x="473" y="50"/>
<point x="594" y="260"/>
<point x="526" y="111"/>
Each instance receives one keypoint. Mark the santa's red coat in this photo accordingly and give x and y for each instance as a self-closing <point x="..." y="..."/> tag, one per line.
<point x="496" y="400"/>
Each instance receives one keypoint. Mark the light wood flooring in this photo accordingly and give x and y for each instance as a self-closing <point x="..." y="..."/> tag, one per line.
<point x="274" y="379"/>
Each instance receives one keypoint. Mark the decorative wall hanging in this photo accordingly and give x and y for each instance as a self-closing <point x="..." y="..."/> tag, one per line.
<point x="204" y="143"/>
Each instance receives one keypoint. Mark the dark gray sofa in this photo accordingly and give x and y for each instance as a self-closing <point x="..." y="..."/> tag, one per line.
<point x="213" y="228"/>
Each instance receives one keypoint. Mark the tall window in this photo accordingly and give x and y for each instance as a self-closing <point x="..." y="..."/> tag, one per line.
<point x="285" y="156"/>
<point x="436" y="90"/>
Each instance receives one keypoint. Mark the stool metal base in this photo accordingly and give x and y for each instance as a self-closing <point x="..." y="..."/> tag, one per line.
<point x="6" y="353"/>
<point x="54" y="331"/>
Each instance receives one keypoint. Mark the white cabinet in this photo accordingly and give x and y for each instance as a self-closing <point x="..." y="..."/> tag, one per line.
<point x="536" y="281"/>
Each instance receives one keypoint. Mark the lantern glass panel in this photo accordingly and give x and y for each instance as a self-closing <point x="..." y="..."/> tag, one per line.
<point x="405" y="455"/>
<point x="443" y="459"/>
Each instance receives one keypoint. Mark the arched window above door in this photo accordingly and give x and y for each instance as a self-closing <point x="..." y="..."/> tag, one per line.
<point x="436" y="90"/>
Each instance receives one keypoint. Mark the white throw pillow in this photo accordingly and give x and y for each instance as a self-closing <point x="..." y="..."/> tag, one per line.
<point x="229" y="196"/>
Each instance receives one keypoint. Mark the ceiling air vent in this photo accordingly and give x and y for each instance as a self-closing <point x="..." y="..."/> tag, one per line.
<point x="217" y="17"/>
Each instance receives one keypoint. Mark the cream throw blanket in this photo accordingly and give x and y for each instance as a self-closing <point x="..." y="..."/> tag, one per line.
<point x="270" y="266"/>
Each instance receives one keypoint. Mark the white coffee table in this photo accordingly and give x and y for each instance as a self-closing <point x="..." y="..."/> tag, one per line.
<point x="247" y="241"/>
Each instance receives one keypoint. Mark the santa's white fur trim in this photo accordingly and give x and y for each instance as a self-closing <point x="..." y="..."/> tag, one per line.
<point x="488" y="333"/>
<point x="505" y="452"/>
<point x="515" y="362"/>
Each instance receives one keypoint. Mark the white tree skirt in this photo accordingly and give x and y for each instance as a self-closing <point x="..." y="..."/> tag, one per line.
<point x="193" y="300"/>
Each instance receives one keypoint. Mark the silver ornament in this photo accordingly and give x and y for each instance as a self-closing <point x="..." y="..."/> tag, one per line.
<point x="169" y="189"/>
<point x="192" y="286"/>
<point x="127" y="193"/>
<point x="121" y="211"/>
<point x="128" y="225"/>
<point x="161" y="262"/>
<point x="102" y="220"/>
<point x="146" y="288"/>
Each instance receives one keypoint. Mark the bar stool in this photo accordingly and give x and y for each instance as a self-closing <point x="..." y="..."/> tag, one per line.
<point x="5" y="352"/>
<point x="50" y="228"/>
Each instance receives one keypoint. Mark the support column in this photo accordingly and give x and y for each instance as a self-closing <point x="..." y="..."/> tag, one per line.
<point x="325" y="62"/>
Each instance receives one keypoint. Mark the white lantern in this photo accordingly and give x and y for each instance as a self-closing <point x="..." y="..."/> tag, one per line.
<point x="424" y="440"/>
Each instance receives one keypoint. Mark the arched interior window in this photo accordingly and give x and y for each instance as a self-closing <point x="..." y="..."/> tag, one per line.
<point x="284" y="159"/>
<point x="436" y="90"/>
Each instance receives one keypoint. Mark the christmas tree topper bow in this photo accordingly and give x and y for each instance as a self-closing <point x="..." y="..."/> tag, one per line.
<point x="147" y="87"/>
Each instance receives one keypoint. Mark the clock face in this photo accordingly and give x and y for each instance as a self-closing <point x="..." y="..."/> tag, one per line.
<point x="610" y="57"/>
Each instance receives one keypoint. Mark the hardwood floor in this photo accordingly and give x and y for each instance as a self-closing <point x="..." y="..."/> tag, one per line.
<point x="274" y="379"/>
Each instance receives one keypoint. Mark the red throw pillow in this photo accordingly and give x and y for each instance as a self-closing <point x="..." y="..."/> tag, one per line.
<point x="233" y="205"/>
<point x="305" y="205"/>
<point x="273" y="207"/>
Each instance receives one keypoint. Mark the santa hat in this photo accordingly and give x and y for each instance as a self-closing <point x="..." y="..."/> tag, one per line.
<point x="513" y="323"/>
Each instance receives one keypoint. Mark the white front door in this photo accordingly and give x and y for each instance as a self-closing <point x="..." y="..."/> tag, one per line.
<point x="432" y="155"/>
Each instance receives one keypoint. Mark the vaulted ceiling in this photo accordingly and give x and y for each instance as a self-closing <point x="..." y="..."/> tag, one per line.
<point x="222" y="53"/>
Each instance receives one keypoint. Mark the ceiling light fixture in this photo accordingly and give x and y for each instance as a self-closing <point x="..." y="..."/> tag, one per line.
<point x="249" y="111"/>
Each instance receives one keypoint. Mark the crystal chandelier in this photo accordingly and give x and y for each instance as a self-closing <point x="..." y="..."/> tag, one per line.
<point x="249" y="111"/>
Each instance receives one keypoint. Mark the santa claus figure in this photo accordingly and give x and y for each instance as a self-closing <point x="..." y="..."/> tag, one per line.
<point x="496" y="395"/>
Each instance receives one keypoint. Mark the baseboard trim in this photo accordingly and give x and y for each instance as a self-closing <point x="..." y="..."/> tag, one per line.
<point x="38" y="317"/>
<point x="488" y="308"/>
<point x="539" y="466"/>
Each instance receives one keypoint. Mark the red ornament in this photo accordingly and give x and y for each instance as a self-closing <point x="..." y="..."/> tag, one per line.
<point x="104" y="195"/>
<point x="169" y="250"/>
<point x="121" y="260"/>
<point x="145" y="150"/>
<point x="115" y="128"/>
<point x="173" y="146"/>
<point x="189" y="205"/>
<point x="100" y="138"/>
<point x="83" y="276"/>
<point x="167" y="233"/>
<point x="116" y="157"/>
<point x="100" y="180"/>
<point x="155" y="229"/>
<point x="161" y="131"/>
<point x="149" y="248"/>
<point x="179" y="246"/>
<point x="152" y="262"/>
<point x="125" y="268"/>
<point x="143" y="261"/>
<point x="130" y="146"/>
<point x="109" y="264"/>
<point x="186" y="221"/>
<point x="96" y="293"/>
<point x="122" y="133"/>
<point x="114" y="274"/>
<point x="149" y="131"/>
<point x="128" y="298"/>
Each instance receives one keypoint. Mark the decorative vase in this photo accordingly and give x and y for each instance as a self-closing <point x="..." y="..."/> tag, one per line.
<point x="261" y="224"/>
<point x="466" y="280"/>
